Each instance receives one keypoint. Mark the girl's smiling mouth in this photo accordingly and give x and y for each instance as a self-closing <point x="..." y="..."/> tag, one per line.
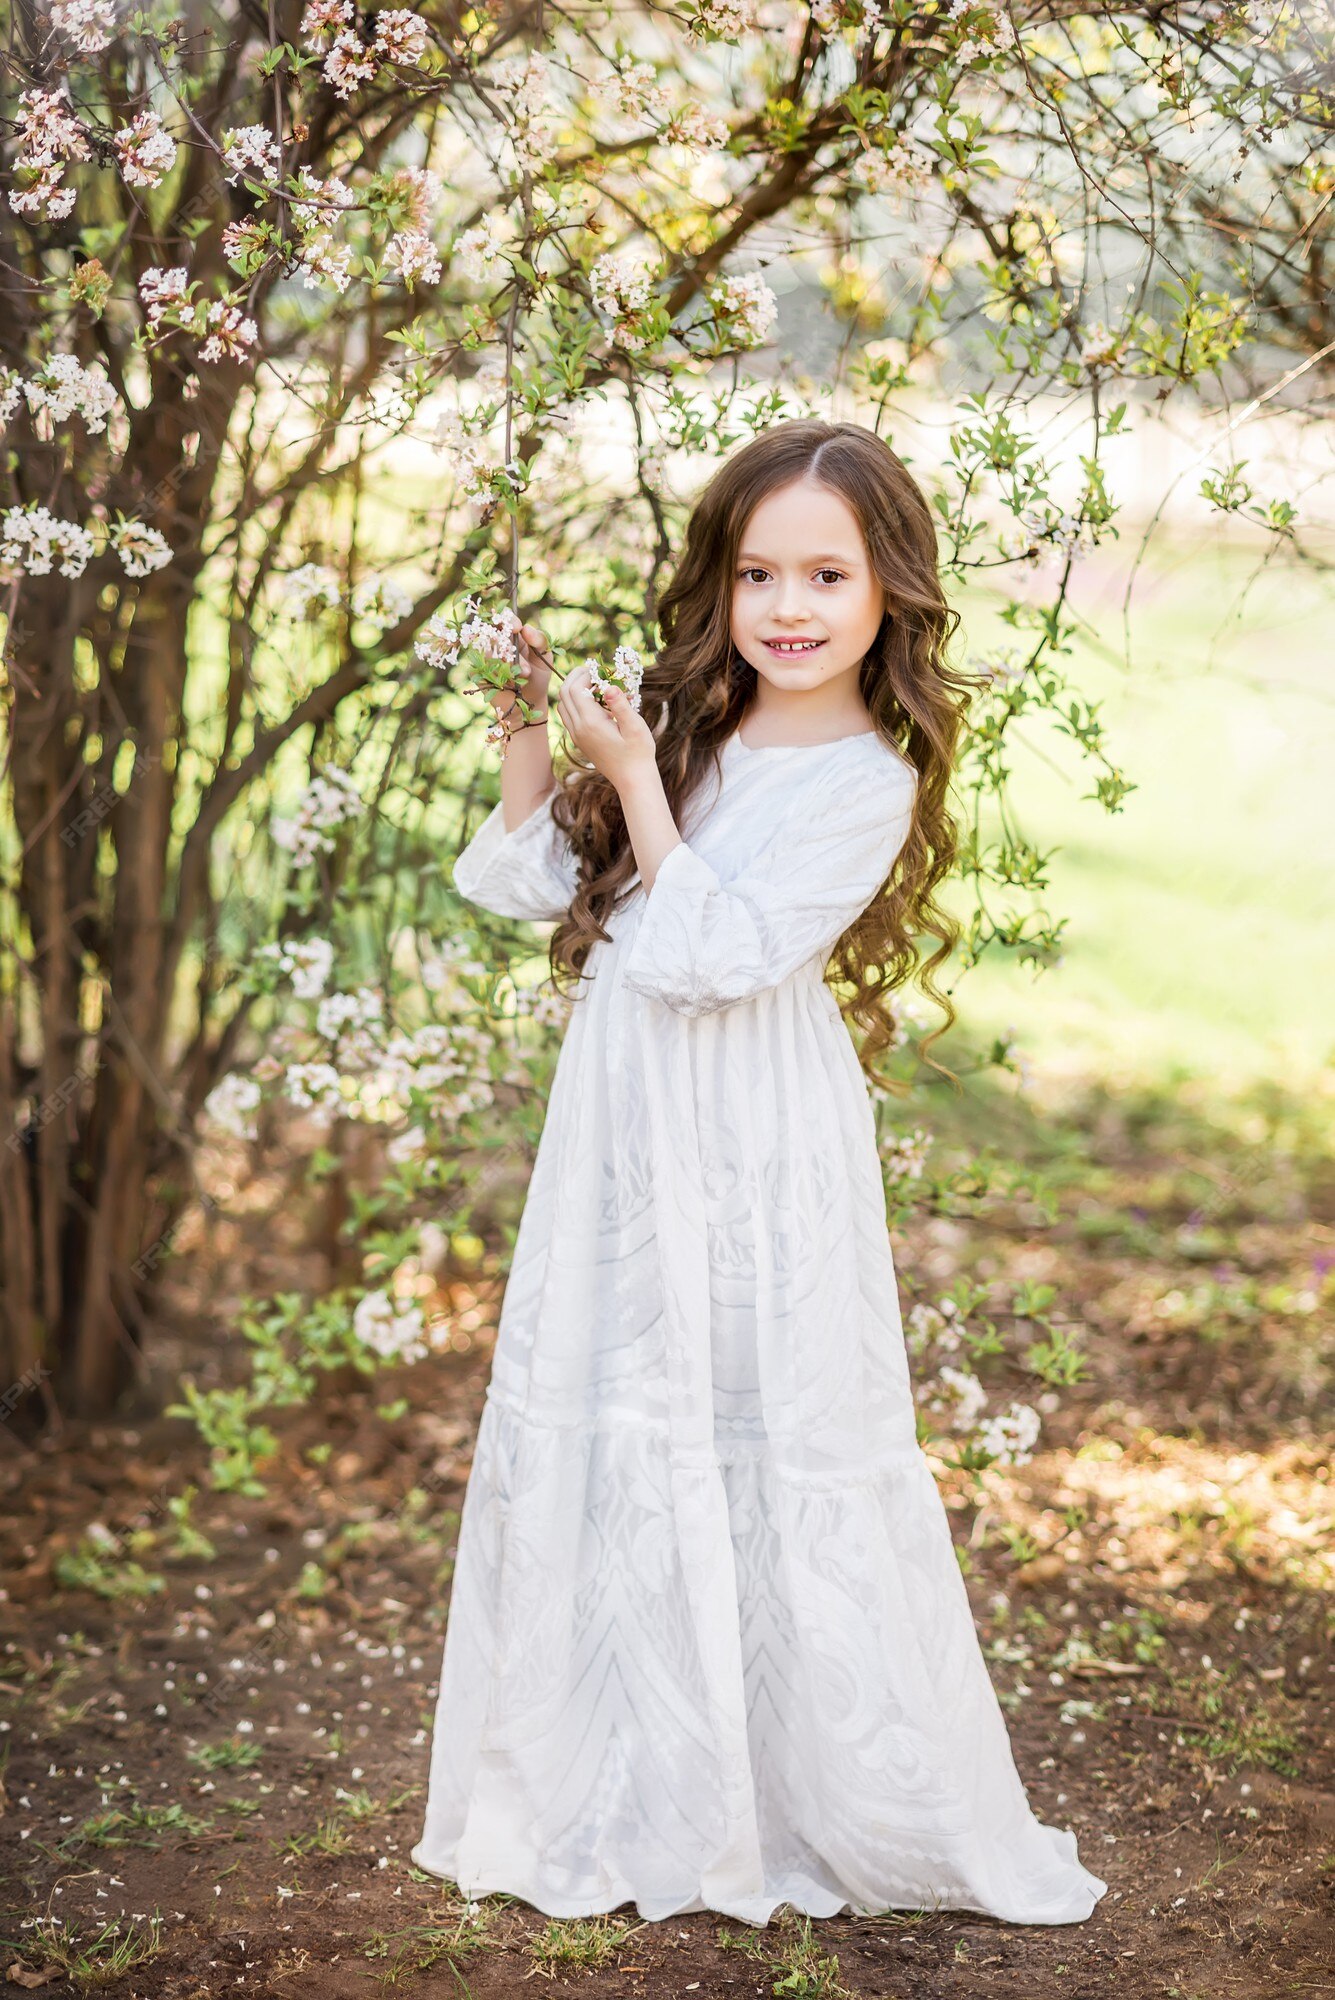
<point x="787" y="647"/>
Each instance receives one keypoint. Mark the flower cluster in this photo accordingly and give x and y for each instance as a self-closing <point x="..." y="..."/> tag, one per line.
<point x="632" y="89"/>
<point x="524" y="84"/>
<point x="89" y="24"/>
<point x="622" y="283"/>
<point x="724" y="20"/>
<point x="232" y="1103"/>
<point x="64" y="388"/>
<point x="50" y="136"/>
<point x="1101" y="350"/>
<point x="141" y="549"/>
<point x="441" y="640"/>
<point x="626" y="673"/>
<point x="1045" y="535"/>
<point x="381" y="600"/>
<point x="478" y="251"/>
<point x="147" y="153"/>
<point x="462" y="454"/>
<point x="328" y="28"/>
<point x="308" y="962"/>
<point x="413" y="255"/>
<point x="313" y="585"/>
<point x="905" y="1157"/>
<point x="35" y="541"/>
<point x="331" y="798"/>
<point x="988" y="31"/>
<point x="899" y="161"/>
<point x="394" y="1333"/>
<point x="746" y="306"/>
<point x="1011" y="1436"/>
<point x="252" y="151"/>
<point x="694" y="125"/>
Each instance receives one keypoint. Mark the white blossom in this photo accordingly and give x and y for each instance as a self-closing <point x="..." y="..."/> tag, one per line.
<point x="49" y="137"/>
<point x="307" y="961"/>
<point x="338" y="1012"/>
<point x="749" y="304"/>
<point x="393" y="1334"/>
<point x="525" y="85"/>
<point x="331" y="798"/>
<point x="322" y="20"/>
<point x="251" y="150"/>
<point x="146" y="151"/>
<point x="696" y="126"/>
<point x="231" y="332"/>
<point x="313" y="584"/>
<point x="163" y="290"/>
<point x="381" y="600"/>
<point x="230" y="1103"/>
<point x="1010" y="1437"/>
<point x="89" y="24"/>
<point x="727" y="19"/>
<point x="440" y="641"/>
<point x="463" y="454"/>
<point x="35" y="540"/>
<point x="626" y="673"/>
<point x="313" y="1086"/>
<point x="412" y="253"/>
<point x="349" y="63"/>
<point x="400" y="35"/>
<point x="141" y="549"/>
<point x="477" y="251"/>
<point x="64" y="388"/>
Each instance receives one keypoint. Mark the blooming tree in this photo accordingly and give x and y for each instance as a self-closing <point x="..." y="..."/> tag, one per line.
<point x="317" y="317"/>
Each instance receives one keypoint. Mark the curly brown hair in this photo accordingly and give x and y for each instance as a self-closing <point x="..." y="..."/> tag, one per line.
<point x="698" y="688"/>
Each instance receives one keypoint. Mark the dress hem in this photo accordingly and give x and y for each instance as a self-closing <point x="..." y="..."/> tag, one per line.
<point x="757" y="1912"/>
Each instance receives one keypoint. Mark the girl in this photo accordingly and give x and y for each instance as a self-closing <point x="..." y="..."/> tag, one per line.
<point x="709" y="1646"/>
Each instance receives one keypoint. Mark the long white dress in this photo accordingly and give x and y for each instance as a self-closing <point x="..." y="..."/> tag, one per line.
<point x="709" y="1646"/>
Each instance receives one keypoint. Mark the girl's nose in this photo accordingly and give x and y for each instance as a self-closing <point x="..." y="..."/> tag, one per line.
<point x="791" y="601"/>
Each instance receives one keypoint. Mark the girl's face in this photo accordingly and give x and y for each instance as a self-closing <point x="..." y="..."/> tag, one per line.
<point x="806" y="603"/>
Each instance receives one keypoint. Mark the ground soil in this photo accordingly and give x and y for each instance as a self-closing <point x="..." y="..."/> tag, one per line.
<point x="220" y="1779"/>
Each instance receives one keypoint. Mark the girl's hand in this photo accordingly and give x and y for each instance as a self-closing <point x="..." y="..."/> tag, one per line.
<point x="617" y="740"/>
<point x="533" y="673"/>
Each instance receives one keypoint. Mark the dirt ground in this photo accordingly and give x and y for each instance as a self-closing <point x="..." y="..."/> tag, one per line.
<point x="215" y="1749"/>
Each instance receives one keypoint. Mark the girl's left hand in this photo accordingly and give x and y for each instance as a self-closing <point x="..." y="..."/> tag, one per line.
<point x="617" y="740"/>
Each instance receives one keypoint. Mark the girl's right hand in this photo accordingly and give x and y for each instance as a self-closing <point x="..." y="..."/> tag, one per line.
<point x="533" y="671"/>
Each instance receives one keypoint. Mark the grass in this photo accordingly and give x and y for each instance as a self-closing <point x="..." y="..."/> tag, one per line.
<point x="335" y="1832"/>
<point x="234" y="1753"/>
<point x="798" y="1968"/>
<point x="135" y="1826"/>
<point x="1196" y="938"/>
<point x="429" y="1947"/>
<point x="90" y="1962"/>
<point x="580" y="1944"/>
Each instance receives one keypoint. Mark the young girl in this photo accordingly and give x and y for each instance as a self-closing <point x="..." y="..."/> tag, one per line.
<point x="709" y="1646"/>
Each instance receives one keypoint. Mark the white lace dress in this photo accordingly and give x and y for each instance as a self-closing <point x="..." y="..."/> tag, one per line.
<point x="709" y="1646"/>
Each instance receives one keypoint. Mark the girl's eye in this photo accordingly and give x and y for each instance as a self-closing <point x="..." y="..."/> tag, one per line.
<point x="836" y="577"/>
<point x="830" y="575"/>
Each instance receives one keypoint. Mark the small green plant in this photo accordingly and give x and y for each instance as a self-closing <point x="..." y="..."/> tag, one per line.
<point x="801" y="1971"/>
<point x="100" y="1564"/>
<point x="134" y="1825"/>
<point x="424" y="1947"/>
<point x="587" y="1942"/>
<point x="88" y="1963"/>
<point x="234" y="1753"/>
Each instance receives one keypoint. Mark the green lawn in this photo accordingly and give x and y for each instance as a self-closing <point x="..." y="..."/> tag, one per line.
<point x="1200" y="936"/>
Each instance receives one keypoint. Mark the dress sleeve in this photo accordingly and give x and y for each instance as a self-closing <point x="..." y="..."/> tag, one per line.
<point x="528" y="872"/>
<point x="707" y="941"/>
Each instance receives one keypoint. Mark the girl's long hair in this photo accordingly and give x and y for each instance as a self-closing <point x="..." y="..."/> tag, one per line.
<point x="697" y="689"/>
